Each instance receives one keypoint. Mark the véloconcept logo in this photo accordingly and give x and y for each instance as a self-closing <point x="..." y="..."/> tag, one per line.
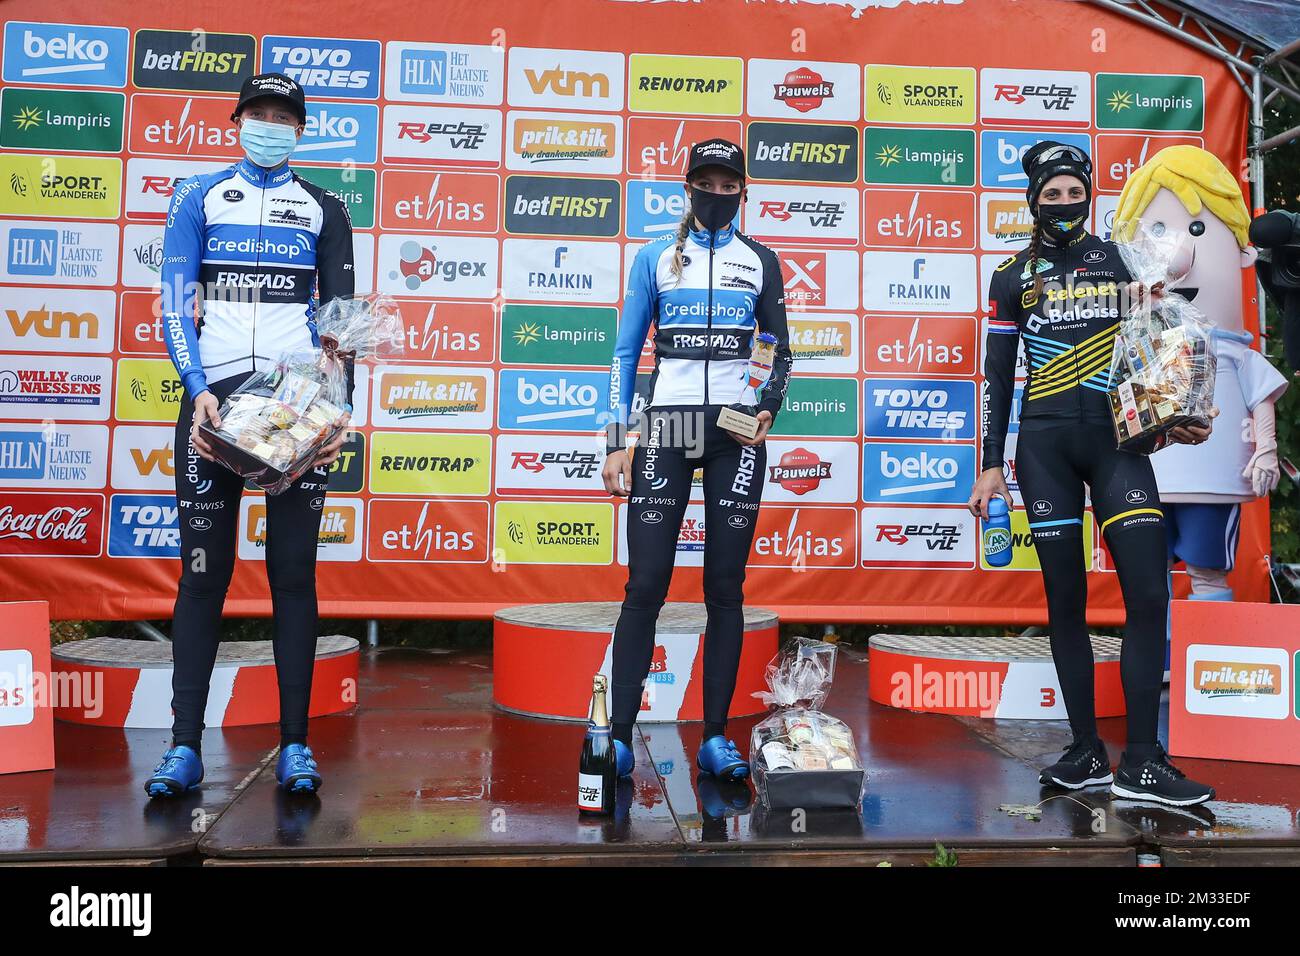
<point x="65" y="54"/>
<point x="325" y="67"/>
<point x="818" y="279"/>
<point x="43" y="524"/>
<point x="192" y="60"/>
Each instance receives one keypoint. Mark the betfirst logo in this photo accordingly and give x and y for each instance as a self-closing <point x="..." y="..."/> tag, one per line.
<point x="182" y="126"/>
<point x="1236" y="679"/>
<point x="924" y="345"/>
<point x="463" y="202"/>
<point x="909" y="218"/>
<point x="427" y="531"/>
<point x="805" y="538"/>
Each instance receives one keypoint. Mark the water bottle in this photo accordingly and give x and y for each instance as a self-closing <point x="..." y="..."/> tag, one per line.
<point x="997" y="534"/>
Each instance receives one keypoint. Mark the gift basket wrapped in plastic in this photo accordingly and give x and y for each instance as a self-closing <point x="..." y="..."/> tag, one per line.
<point x="1163" y="365"/>
<point x="274" y="425"/>
<point x="800" y="756"/>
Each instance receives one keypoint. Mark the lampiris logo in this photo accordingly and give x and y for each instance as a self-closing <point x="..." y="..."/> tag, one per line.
<point x="555" y="206"/>
<point x="80" y="120"/>
<point x="803" y="152"/>
<point x="198" y="60"/>
<point x="919" y="157"/>
<point x="557" y="335"/>
<point x="1147" y="101"/>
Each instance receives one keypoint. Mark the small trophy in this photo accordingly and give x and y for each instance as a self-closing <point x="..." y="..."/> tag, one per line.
<point x="741" y="417"/>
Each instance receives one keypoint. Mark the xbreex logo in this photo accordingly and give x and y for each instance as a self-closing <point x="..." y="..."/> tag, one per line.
<point x="80" y="120"/>
<point x="339" y="133"/>
<point x="65" y="54"/>
<point x="654" y="208"/>
<point x="927" y="473"/>
<point x="199" y="60"/>
<point x="441" y="200"/>
<point x="444" y="73"/>
<point x="325" y="67"/>
<point x="422" y="531"/>
<point x="927" y="345"/>
<point x="907" y="219"/>
<point x="799" y="471"/>
<point x="144" y="526"/>
<point x="1002" y="150"/>
<point x="182" y="125"/>
<point x="805" y="278"/>
<point x="552" y="401"/>
<point x="803" y="152"/>
<point x="551" y="205"/>
<point x="916" y="408"/>
<point x="803" y="89"/>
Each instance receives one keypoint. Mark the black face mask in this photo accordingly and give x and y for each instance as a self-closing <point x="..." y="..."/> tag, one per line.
<point x="1063" y="221"/>
<point x="714" y="210"/>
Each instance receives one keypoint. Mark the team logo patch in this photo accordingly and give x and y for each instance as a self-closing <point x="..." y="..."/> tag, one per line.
<point x="232" y="195"/>
<point x="1042" y="508"/>
<point x="1136" y="497"/>
<point x="652" y="517"/>
<point x="199" y="523"/>
<point x="738" y="521"/>
<point x="1094" y="255"/>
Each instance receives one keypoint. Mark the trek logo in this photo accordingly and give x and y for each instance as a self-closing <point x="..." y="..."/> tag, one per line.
<point x="931" y="474"/>
<point x="65" y="54"/>
<point x="144" y="526"/>
<point x="916" y="408"/>
<point x="551" y="401"/>
<point x="330" y="68"/>
<point x="584" y="79"/>
<point x="550" y="205"/>
<point x="803" y="153"/>
<point x="185" y="60"/>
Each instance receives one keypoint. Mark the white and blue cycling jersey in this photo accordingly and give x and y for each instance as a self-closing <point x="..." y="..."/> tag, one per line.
<point x="249" y="246"/>
<point x="730" y="288"/>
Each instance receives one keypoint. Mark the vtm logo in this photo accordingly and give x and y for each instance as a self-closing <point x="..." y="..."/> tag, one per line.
<point x="805" y="278"/>
<point x="574" y="83"/>
<point x="800" y="471"/>
<point x="54" y="324"/>
<point x="804" y="90"/>
<point x="160" y="460"/>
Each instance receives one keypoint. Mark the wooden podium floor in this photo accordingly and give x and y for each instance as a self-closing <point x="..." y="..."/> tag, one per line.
<point x="427" y="771"/>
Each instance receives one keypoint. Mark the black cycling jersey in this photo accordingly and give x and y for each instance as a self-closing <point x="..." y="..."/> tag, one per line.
<point x="1068" y="331"/>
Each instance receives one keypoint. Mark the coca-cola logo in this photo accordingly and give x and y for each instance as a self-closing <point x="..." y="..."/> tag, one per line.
<point x="48" y="525"/>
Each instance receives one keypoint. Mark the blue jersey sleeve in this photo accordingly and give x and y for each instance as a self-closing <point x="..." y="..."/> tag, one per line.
<point x="638" y="311"/>
<point x="182" y="256"/>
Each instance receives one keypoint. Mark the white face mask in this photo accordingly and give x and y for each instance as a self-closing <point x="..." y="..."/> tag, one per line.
<point x="267" y="144"/>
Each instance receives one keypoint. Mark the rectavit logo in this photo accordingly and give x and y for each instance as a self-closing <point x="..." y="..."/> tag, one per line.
<point x="1150" y="101"/>
<point x="53" y="455"/>
<point x="918" y="538"/>
<point x="144" y="526"/>
<point x="566" y="79"/>
<point x="48" y="525"/>
<point x="433" y="397"/>
<point x="802" y="152"/>
<point x="73" y="253"/>
<point x="59" y="120"/>
<point x="1037" y="97"/>
<point x="427" y="532"/>
<point x="65" y="54"/>
<point x="435" y="134"/>
<point x="922" y="345"/>
<point x="529" y="464"/>
<point x="57" y="320"/>
<point x="685" y="84"/>
<point x="444" y="73"/>
<point x="917" y="472"/>
<point x="542" y="400"/>
<point x="559" y="206"/>
<point x="339" y="133"/>
<point x="192" y="60"/>
<point x="346" y="69"/>
<point x="919" y="157"/>
<point x="918" y="408"/>
<point x="828" y="213"/>
<point x="150" y="184"/>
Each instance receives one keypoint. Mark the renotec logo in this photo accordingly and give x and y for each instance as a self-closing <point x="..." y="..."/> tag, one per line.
<point x="77" y="909"/>
<point x="1236" y="679"/>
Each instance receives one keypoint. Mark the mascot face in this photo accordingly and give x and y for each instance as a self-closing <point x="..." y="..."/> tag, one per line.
<point x="1214" y="282"/>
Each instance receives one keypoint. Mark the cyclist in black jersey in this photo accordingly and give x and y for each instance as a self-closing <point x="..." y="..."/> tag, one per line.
<point x="1063" y="297"/>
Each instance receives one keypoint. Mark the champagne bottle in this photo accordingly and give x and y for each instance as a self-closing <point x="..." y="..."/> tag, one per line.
<point x="598" y="767"/>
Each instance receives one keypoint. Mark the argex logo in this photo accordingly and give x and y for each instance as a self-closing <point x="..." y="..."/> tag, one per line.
<point x="65" y="54"/>
<point x="197" y="60"/>
<point x="337" y="68"/>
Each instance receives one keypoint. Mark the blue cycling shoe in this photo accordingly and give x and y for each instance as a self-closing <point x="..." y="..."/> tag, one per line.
<point x="296" y="770"/>
<point x="719" y="756"/>
<point x="179" y="770"/>
<point x="625" y="759"/>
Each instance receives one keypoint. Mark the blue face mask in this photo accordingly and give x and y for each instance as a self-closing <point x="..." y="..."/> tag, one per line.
<point x="267" y="144"/>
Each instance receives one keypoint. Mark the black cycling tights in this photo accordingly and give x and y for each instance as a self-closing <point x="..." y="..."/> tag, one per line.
<point x="208" y="497"/>
<point x="1052" y="465"/>
<point x="674" y="442"/>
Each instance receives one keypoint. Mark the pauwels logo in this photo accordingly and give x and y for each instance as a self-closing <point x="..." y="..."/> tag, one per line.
<point x="192" y="60"/>
<point x="803" y="89"/>
<point x="800" y="471"/>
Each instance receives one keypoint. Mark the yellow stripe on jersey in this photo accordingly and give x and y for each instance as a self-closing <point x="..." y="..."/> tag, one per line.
<point x="1128" y="514"/>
